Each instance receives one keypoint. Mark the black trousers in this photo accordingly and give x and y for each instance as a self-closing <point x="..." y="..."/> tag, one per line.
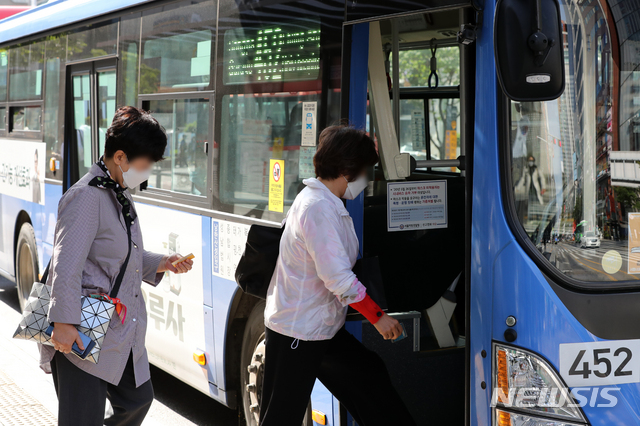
<point x="356" y="376"/>
<point x="82" y="397"/>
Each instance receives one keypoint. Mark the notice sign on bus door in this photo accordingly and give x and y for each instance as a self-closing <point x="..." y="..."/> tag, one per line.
<point x="416" y="205"/>
<point x="276" y="185"/>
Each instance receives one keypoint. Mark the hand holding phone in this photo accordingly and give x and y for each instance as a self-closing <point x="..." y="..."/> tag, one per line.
<point x="402" y="336"/>
<point x="179" y="264"/>
<point x="87" y="342"/>
<point x="182" y="259"/>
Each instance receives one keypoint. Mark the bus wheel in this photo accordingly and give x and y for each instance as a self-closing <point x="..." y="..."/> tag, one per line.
<point x="252" y="361"/>
<point x="26" y="263"/>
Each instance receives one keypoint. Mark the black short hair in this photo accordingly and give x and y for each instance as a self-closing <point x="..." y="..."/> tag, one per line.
<point x="137" y="133"/>
<point x="344" y="150"/>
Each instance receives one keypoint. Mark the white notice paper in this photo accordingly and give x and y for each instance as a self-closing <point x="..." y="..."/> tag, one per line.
<point x="309" y="110"/>
<point x="416" y="205"/>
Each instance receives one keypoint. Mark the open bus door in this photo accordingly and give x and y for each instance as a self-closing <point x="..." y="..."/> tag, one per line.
<point x="416" y="216"/>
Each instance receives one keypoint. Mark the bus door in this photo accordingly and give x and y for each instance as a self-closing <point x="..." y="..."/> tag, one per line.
<point x="90" y="106"/>
<point x="416" y="215"/>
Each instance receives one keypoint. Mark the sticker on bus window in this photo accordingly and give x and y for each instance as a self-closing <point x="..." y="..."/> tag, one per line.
<point x="276" y="185"/>
<point x="309" y="110"/>
<point x="600" y="363"/>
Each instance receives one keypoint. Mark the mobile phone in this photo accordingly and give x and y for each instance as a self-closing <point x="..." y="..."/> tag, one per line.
<point x="86" y="341"/>
<point x="401" y="336"/>
<point x="182" y="259"/>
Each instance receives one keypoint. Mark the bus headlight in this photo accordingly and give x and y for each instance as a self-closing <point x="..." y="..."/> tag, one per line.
<point x="526" y="383"/>
<point x="504" y="418"/>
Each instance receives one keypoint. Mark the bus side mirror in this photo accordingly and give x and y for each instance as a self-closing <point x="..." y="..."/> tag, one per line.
<point x="528" y="45"/>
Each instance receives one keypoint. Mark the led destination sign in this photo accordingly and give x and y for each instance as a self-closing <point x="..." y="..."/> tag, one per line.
<point x="271" y="54"/>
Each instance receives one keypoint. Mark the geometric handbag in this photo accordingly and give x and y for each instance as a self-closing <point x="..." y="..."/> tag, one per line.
<point x="95" y="318"/>
<point x="96" y="311"/>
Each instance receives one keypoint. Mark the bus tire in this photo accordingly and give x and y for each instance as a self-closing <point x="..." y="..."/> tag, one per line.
<point x="252" y="360"/>
<point x="26" y="263"/>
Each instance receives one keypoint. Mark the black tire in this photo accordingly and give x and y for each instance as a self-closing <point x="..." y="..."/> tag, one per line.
<point x="252" y="357"/>
<point x="26" y="263"/>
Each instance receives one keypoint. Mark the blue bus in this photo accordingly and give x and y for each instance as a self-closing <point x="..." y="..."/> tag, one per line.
<point x="504" y="214"/>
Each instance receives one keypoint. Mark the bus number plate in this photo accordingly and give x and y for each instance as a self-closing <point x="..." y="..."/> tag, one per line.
<point x="600" y="363"/>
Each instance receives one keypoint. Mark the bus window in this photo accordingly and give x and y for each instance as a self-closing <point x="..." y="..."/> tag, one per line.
<point x="261" y="128"/>
<point x="94" y="42"/>
<point x="25" y="118"/>
<point x="25" y="79"/>
<point x="567" y="198"/>
<point x="128" y="64"/>
<point x="270" y="67"/>
<point x="81" y="90"/>
<point x="429" y="116"/>
<point x="176" y="47"/>
<point x="106" y="104"/>
<point x="186" y="122"/>
<point x="55" y="56"/>
<point x="4" y="64"/>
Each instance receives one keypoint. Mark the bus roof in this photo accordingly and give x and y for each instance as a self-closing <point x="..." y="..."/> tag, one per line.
<point x="57" y="14"/>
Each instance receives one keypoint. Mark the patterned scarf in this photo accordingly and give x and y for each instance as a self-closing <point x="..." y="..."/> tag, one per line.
<point x="107" y="182"/>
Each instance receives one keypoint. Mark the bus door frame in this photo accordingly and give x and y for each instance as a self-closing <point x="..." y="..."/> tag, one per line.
<point x="355" y="42"/>
<point x="71" y="171"/>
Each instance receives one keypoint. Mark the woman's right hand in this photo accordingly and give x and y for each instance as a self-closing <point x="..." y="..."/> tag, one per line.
<point x="388" y="327"/>
<point x="63" y="337"/>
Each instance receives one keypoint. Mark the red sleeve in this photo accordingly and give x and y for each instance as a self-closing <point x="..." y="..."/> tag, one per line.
<point x="369" y="309"/>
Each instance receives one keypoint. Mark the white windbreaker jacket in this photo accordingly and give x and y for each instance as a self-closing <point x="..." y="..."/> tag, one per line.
<point x="313" y="282"/>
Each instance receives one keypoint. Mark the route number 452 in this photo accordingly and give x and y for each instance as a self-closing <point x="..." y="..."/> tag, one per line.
<point x="600" y="363"/>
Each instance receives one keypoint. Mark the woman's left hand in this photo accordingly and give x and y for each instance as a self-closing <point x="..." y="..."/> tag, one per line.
<point x="181" y="267"/>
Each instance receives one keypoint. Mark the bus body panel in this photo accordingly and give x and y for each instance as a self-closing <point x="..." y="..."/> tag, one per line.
<point x="543" y="323"/>
<point x="41" y="217"/>
<point x="488" y="235"/>
<point x="175" y="307"/>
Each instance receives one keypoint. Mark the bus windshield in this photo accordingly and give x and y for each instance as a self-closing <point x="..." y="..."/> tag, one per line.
<point x="574" y="160"/>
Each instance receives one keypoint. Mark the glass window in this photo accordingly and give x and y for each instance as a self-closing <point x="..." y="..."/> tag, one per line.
<point x="4" y="65"/>
<point x="261" y="87"/>
<point x="440" y="129"/>
<point x="444" y="115"/>
<point x="176" y="47"/>
<point x="55" y="55"/>
<point x="25" y="79"/>
<point x="184" y="168"/>
<point x="415" y="67"/>
<point x="574" y="168"/>
<point x="106" y="104"/>
<point x="93" y="41"/>
<point x="26" y="119"/>
<point x="3" y="118"/>
<point x="128" y="64"/>
<point x="81" y="89"/>
<point x="258" y="129"/>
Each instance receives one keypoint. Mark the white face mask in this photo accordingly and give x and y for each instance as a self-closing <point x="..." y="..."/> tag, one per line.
<point x="355" y="188"/>
<point x="132" y="177"/>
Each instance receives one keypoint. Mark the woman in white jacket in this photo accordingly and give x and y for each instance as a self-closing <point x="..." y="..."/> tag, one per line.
<point x="309" y="294"/>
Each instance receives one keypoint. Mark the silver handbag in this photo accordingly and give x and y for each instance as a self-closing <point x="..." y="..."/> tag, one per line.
<point x="96" y="314"/>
